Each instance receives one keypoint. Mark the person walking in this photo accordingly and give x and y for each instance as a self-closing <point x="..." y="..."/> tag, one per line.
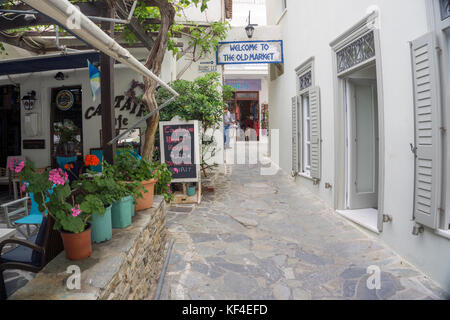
<point x="227" y="122"/>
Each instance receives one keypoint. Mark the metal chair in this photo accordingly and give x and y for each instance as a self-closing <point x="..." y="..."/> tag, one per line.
<point x="32" y="254"/>
<point x="33" y="217"/>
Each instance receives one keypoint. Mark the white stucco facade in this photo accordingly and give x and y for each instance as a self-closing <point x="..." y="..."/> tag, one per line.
<point x="308" y="28"/>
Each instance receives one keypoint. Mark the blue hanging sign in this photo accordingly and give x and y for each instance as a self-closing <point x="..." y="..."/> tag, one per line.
<point x="250" y="52"/>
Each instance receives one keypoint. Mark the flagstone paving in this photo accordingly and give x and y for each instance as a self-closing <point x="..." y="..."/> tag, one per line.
<point x="263" y="237"/>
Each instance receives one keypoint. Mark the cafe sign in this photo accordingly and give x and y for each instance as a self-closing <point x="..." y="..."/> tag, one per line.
<point x="250" y="52"/>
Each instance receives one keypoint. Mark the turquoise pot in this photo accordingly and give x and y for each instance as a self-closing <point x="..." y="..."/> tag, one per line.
<point x="190" y="191"/>
<point x="121" y="212"/>
<point x="101" y="228"/>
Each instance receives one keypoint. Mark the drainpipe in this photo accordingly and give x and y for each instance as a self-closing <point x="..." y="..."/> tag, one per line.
<point x="64" y="12"/>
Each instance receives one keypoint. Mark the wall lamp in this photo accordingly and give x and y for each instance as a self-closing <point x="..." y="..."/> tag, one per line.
<point x="250" y="28"/>
<point x="29" y="100"/>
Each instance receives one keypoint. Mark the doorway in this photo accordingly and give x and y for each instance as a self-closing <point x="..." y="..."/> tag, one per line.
<point x="362" y="150"/>
<point x="10" y="123"/>
<point x="66" y="119"/>
<point x="247" y="115"/>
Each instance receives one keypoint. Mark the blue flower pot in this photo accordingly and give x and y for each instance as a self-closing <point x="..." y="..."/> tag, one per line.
<point x="190" y="191"/>
<point x="101" y="228"/>
<point x="121" y="212"/>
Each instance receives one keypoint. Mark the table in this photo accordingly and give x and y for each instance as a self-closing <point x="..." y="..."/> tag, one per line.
<point x="7" y="234"/>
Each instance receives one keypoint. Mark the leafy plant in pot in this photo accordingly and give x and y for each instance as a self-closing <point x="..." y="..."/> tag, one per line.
<point x="103" y="186"/>
<point x="125" y="194"/>
<point x="139" y="173"/>
<point x="67" y="139"/>
<point x="71" y="210"/>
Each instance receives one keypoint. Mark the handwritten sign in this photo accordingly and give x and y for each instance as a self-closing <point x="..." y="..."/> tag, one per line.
<point x="180" y="149"/>
<point x="250" y="52"/>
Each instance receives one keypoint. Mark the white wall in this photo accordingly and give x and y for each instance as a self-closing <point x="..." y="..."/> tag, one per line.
<point x="307" y="28"/>
<point x="43" y="82"/>
<point x="193" y="13"/>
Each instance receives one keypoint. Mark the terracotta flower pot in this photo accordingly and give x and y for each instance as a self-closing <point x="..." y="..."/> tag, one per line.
<point x="147" y="201"/>
<point x="77" y="245"/>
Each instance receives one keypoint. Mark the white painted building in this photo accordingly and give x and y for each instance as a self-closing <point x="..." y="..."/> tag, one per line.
<point x="361" y="104"/>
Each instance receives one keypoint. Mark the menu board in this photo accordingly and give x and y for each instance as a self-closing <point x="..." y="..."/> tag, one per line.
<point x="178" y="145"/>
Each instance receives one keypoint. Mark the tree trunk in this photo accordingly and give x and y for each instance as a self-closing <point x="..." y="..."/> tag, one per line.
<point x="153" y="63"/>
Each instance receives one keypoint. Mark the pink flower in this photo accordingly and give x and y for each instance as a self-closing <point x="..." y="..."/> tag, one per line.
<point x="20" y="166"/>
<point x="57" y="176"/>
<point x="76" y="210"/>
<point x="175" y="169"/>
<point x="16" y="165"/>
<point x="168" y="184"/>
<point x="23" y="187"/>
<point x="11" y="164"/>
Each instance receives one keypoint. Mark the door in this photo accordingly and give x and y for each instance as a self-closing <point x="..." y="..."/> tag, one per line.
<point x="362" y="144"/>
<point x="66" y="117"/>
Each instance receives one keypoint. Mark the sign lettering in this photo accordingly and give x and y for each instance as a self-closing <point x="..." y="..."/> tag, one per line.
<point x="250" y="52"/>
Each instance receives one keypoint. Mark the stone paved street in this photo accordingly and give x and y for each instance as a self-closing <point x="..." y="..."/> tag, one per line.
<point x="262" y="237"/>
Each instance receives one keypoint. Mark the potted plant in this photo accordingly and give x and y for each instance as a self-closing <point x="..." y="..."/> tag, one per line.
<point x="130" y="169"/>
<point x="71" y="210"/>
<point x="105" y="188"/>
<point x="67" y="138"/>
<point x="163" y="178"/>
<point x="122" y="209"/>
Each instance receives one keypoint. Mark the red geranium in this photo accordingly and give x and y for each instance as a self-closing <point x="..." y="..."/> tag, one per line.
<point x="91" y="160"/>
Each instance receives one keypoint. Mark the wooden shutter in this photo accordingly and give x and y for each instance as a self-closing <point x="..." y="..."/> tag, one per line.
<point x="315" y="135"/>
<point x="427" y="113"/>
<point x="295" y="148"/>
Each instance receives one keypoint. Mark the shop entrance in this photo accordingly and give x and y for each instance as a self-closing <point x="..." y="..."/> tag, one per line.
<point x="66" y="118"/>
<point x="247" y="114"/>
<point x="10" y="124"/>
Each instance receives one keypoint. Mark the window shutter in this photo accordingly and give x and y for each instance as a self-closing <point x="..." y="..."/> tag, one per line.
<point x="427" y="114"/>
<point x="315" y="135"/>
<point x="295" y="136"/>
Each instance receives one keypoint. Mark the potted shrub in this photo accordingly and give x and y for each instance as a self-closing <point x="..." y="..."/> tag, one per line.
<point x="132" y="170"/>
<point x="163" y="178"/>
<point x="71" y="210"/>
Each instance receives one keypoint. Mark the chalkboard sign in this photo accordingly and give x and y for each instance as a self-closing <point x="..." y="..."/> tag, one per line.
<point x="180" y="149"/>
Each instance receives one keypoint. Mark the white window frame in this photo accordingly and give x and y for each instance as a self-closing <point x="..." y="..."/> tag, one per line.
<point x="304" y="153"/>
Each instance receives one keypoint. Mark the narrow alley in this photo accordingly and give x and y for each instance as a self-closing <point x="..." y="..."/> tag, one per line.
<point x="259" y="237"/>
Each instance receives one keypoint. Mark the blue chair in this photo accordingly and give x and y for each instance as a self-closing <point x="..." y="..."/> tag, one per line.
<point x="31" y="254"/>
<point x="62" y="161"/>
<point x="99" y="154"/>
<point x="34" y="217"/>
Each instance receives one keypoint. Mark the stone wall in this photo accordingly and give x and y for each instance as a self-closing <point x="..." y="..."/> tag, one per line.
<point x="126" y="267"/>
